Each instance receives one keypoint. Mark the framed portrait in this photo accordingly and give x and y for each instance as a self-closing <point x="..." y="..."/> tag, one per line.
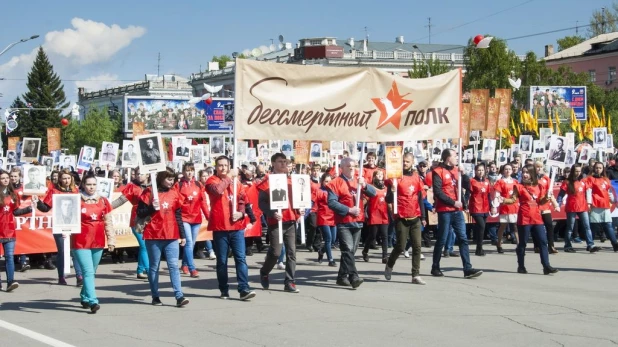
<point x="278" y="186"/>
<point x="56" y="156"/>
<point x="35" y="179"/>
<point x="217" y="146"/>
<point x="263" y="152"/>
<point x="129" y="154"/>
<point x="197" y="154"/>
<point x="525" y="144"/>
<point x="571" y="155"/>
<point x="109" y="154"/>
<point x="489" y="149"/>
<point x="229" y="150"/>
<point x="180" y="148"/>
<point x="150" y="153"/>
<point x="105" y="187"/>
<point x="514" y="151"/>
<point x="570" y="140"/>
<point x="610" y="140"/>
<point x="274" y="146"/>
<point x="301" y="191"/>
<point x="81" y="165"/>
<point x="88" y="155"/>
<point x="315" y="154"/>
<point x="206" y="158"/>
<point x="538" y="147"/>
<point x="336" y="147"/>
<point x="599" y="137"/>
<point x="557" y="151"/>
<point x="287" y="147"/>
<point x="468" y="156"/>
<point x="228" y="113"/>
<point x="475" y="136"/>
<point x="241" y="151"/>
<point x="67" y="162"/>
<point x="66" y="214"/>
<point x="251" y="155"/>
<point x="502" y="157"/>
<point x="30" y="149"/>
<point x="468" y="170"/>
<point x="350" y="146"/>
<point x="3" y="164"/>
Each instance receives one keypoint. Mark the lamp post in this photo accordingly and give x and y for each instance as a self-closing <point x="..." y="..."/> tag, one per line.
<point x="424" y="60"/>
<point x="18" y="42"/>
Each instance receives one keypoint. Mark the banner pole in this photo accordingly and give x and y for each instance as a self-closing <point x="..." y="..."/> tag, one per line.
<point x="280" y="224"/>
<point x="155" y="191"/>
<point x="235" y="149"/>
<point x="360" y="174"/>
<point x="459" y="180"/>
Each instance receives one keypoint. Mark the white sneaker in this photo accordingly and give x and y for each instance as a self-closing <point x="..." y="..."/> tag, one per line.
<point x="422" y="256"/>
<point x="388" y="272"/>
<point x="418" y="280"/>
<point x="211" y="255"/>
<point x="280" y="266"/>
<point x="406" y="254"/>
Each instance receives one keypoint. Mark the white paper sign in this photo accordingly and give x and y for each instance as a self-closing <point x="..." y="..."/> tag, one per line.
<point x="301" y="191"/>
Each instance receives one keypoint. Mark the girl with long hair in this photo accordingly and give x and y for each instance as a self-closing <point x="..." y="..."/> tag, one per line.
<point x="600" y="197"/>
<point x="544" y="181"/>
<point x="378" y="221"/>
<point x="478" y="205"/>
<point x="325" y="221"/>
<point x="508" y="207"/>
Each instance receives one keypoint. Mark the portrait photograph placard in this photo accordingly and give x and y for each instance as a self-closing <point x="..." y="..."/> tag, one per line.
<point x="274" y="146"/>
<point x="206" y="158"/>
<point x="66" y="214"/>
<point x="109" y="154"/>
<point x="610" y="140"/>
<point x="336" y="147"/>
<point x="81" y="164"/>
<point x="197" y="154"/>
<point x="278" y="189"/>
<point x="30" y="149"/>
<point x="251" y="155"/>
<point x="600" y="137"/>
<point x="315" y="154"/>
<point x="557" y="151"/>
<point x="89" y="154"/>
<point x="263" y="152"/>
<point x="287" y="147"/>
<point x="180" y="148"/>
<point x="105" y="187"/>
<point x="301" y="191"/>
<point x="489" y="149"/>
<point x="525" y="144"/>
<point x="11" y="157"/>
<point x="150" y="153"/>
<point x="393" y="162"/>
<point x="48" y="162"/>
<point x="67" y="162"/>
<point x="514" y="151"/>
<point x="502" y="157"/>
<point x="217" y="146"/>
<point x="130" y="159"/>
<point x="35" y="179"/>
<point x="241" y="151"/>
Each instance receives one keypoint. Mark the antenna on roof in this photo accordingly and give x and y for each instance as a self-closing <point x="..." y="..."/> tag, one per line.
<point x="429" y="26"/>
<point x="367" y="34"/>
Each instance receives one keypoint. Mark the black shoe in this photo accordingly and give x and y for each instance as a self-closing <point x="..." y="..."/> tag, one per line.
<point x="264" y="281"/>
<point x="156" y="301"/>
<point x="49" y="266"/>
<point x="200" y="255"/>
<point x="494" y="243"/>
<point x="181" y="302"/>
<point x="593" y="249"/>
<point x="332" y="263"/>
<point x="246" y="295"/>
<point x="603" y="240"/>
<point x="479" y="251"/>
<point x="384" y="260"/>
<point x="320" y="256"/>
<point x="12" y="286"/>
<point x="224" y="296"/>
<point x="514" y="241"/>
<point x="365" y="257"/>
<point x="615" y="246"/>
<point x="436" y="273"/>
<point x="291" y="288"/>
<point x="344" y="282"/>
<point x="570" y="250"/>
<point x="249" y="252"/>
<point x="549" y="270"/>
<point x="522" y="270"/>
<point x="356" y="282"/>
<point x="453" y="254"/>
<point x="445" y="254"/>
<point x="309" y="249"/>
<point x="85" y="305"/>
<point x="472" y="273"/>
<point x="500" y="250"/>
<point x="24" y="268"/>
<point x="94" y="308"/>
<point x="80" y="281"/>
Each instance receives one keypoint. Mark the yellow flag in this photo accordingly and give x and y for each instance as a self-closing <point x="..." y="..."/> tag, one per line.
<point x="609" y="123"/>
<point x="573" y="121"/>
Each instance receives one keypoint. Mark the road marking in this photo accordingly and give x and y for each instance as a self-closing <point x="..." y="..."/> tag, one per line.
<point x="33" y="335"/>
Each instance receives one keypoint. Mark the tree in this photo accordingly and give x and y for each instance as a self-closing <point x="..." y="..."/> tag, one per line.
<point x="569" y="41"/>
<point x="436" y="67"/>
<point x="604" y="21"/>
<point x="96" y="127"/>
<point x="489" y="68"/>
<point x="45" y="90"/>
<point x="222" y="60"/>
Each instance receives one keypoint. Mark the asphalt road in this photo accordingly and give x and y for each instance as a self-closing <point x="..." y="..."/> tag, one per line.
<point x="575" y="307"/>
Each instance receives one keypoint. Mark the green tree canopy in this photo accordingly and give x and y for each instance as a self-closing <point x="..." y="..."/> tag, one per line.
<point x="603" y="21"/>
<point x="222" y="60"/>
<point x="569" y="41"/>
<point x="435" y="66"/>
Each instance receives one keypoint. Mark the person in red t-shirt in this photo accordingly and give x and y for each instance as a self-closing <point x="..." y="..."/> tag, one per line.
<point x="325" y="220"/>
<point x="164" y="233"/>
<point x="600" y="198"/>
<point x="544" y="181"/>
<point x="313" y="240"/>
<point x="478" y="205"/>
<point x="503" y="190"/>
<point x="531" y="195"/>
<point x="378" y="212"/>
<point x="576" y="206"/>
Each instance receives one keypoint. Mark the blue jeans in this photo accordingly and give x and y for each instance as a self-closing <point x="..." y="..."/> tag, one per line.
<point x="446" y="221"/>
<point x="191" y="231"/>
<point x="223" y="241"/>
<point x="88" y="260"/>
<point x="9" y="250"/>
<point x="608" y="228"/>
<point x="539" y="235"/>
<point x="142" y="257"/>
<point x="450" y="241"/>
<point x="282" y="255"/>
<point x="171" y="250"/>
<point x="492" y="231"/>
<point x="584" y="221"/>
<point x="60" y="257"/>
<point x="328" y="234"/>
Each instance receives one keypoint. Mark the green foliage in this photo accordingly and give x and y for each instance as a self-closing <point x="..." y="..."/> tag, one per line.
<point x="96" y="127"/>
<point x="45" y="90"/>
<point x="489" y="67"/>
<point x="435" y="66"/>
<point x="603" y="22"/>
<point x="569" y="41"/>
<point x="222" y="60"/>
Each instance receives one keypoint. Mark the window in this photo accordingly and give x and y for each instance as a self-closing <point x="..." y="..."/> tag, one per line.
<point x="592" y="75"/>
<point x="316" y="42"/>
<point x="612" y="73"/>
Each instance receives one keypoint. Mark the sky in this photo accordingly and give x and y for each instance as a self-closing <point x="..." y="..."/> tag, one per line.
<point x="105" y="43"/>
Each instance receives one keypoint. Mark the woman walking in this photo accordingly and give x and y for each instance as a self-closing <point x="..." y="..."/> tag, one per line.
<point x="478" y="205"/>
<point x="163" y="233"/>
<point x="544" y="181"/>
<point x="508" y="208"/>
<point x="600" y="197"/>
<point x="325" y="221"/>
<point x="378" y="217"/>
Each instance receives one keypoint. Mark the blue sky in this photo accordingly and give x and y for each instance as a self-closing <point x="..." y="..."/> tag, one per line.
<point x="103" y="43"/>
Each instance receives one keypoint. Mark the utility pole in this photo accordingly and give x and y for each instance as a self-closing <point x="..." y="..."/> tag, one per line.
<point x="429" y="27"/>
<point x="367" y="34"/>
<point x="602" y="20"/>
<point x="158" y="64"/>
<point x="576" y="27"/>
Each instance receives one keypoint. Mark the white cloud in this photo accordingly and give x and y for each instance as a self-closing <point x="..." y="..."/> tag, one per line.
<point x="98" y="82"/>
<point x="91" y="42"/>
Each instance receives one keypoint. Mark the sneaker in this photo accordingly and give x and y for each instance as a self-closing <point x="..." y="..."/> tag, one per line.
<point x="142" y="276"/>
<point x="365" y="257"/>
<point x="80" y="281"/>
<point x="84" y="304"/>
<point x="181" y="302"/>
<point x="344" y="282"/>
<point x="500" y="250"/>
<point x="224" y="296"/>
<point x="195" y="274"/>
<point x="264" y="281"/>
<point x="156" y="301"/>
<point x="211" y="255"/>
<point x="332" y="263"/>
<point x="24" y="268"/>
<point x="280" y="266"/>
<point x="291" y="288"/>
<point x="479" y="252"/>
<point x="549" y="270"/>
<point x="436" y="273"/>
<point x="49" y="265"/>
<point x="246" y="295"/>
<point x="94" y="308"/>
<point x="570" y="250"/>
<point x="418" y="280"/>
<point x="445" y="254"/>
<point x="593" y="249"/>
<point x="522" y="270"/>
<point x="320" y="256"/>
<point x="185" y="269"/>
<point x="356" y="282"/>
<point x="62" y="281"/>
<point x="406" y="254"/>
<point x="472" y="273"/>
<point x="388" y="272"/>
<point x="12" y="286"/>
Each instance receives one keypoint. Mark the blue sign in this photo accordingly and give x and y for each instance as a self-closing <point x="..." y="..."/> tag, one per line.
<point x="220" y="114"/>
<point x="558" y="100"/>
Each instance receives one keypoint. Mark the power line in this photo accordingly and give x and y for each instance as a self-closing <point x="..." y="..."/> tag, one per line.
<point x="548" y="32"/>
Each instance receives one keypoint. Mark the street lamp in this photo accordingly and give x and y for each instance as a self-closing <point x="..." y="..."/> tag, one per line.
<point x="424" y="60"/>
<point x="20" y="41"/>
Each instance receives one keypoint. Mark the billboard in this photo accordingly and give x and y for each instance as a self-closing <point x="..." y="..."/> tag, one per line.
<point x="558" y="100"/>
<point x="177" y="115"/>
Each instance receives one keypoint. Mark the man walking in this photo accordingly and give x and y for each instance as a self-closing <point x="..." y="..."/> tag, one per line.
<point x="342" y="197"/>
